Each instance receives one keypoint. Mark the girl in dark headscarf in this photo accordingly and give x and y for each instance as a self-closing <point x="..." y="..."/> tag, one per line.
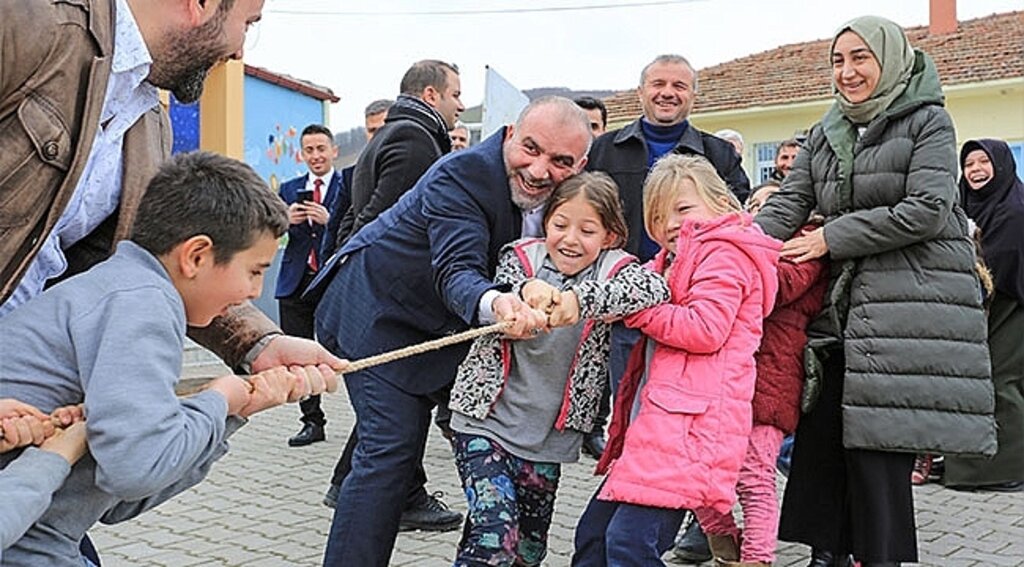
<point x="900" y="350"/>
<point x="993" y="196"/>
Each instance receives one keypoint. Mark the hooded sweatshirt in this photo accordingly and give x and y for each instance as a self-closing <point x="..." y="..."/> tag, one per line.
<point x="685" y="447"/>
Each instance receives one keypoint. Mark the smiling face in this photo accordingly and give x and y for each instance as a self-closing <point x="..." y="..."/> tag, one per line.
<point x="978" y="169"/>
<point x="541" y="153"/>
<point x="459" y="137"/>
<point x="855" y="70"/>
<point x="319" y="152"/>
<point x="575" y="235"/>
<point x="217" y="287"/>
<point x="687" y="205"/>
<point x="667" y="93"/>
<point x="784" y="161"/>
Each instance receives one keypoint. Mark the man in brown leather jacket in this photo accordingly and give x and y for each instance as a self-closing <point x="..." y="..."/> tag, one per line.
<point x="63" y="93"/>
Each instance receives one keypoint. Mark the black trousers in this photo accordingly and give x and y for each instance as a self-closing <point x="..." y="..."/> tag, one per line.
<point x="845" y="500"/>
<point x="296" y="316"/>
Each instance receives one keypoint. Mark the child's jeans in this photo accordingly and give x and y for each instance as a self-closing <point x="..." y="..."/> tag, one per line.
<point x="616" y="534"/>
<point x="758" y="498"/>
<point x="511" y="501"/>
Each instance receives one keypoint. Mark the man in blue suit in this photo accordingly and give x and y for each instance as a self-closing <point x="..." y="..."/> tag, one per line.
<point x="310" y="199"/>
<point x="422" y="270"/>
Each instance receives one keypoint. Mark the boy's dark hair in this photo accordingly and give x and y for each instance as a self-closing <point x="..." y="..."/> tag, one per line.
<point x="205" y="193"/>
<point x="426" y="73"/>
<point x="317" y="129"/>
<point x="602" y="193"/>
<point x="590" y="103"/>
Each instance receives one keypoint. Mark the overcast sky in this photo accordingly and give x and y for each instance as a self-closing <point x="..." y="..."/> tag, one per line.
<point x="361" y="48"/>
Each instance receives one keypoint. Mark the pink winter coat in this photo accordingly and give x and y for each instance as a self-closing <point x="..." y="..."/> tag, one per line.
<point x="689" y="438"/>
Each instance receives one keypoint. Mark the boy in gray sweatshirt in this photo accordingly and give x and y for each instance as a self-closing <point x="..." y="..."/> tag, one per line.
<point x="112" y="339"/>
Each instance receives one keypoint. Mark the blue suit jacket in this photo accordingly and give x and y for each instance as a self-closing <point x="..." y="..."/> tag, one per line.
<point x="418" y="271"/>
<point x="303" y="236"/>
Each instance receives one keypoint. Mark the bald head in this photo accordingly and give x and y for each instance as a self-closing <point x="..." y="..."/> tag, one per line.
<point x="559" y="112"/>
<point x="548" y="144"/>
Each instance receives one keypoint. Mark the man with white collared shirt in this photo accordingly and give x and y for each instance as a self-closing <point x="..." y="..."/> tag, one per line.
<point x="82" y="132"/>
<point x="310" y="199"/>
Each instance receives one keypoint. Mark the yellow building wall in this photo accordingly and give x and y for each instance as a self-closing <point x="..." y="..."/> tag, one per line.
<point x="222" y="111"/>
<point x="990" y="110"/>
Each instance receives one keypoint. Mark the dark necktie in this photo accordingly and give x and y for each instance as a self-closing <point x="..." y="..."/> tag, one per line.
<point x="317" y="184"/>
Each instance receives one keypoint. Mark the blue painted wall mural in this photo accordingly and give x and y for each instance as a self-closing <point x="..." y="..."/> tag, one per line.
<point x="274" y="117"/>
<point x="185" y="126"/>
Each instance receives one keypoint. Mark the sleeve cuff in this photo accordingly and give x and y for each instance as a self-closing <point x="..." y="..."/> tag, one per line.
<point x="485" y="314"/>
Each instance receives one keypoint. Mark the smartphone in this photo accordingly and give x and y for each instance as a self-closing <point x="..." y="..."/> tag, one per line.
<point x="303" y="196"/>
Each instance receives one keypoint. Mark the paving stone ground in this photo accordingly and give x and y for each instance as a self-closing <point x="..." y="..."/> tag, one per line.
<point x="261" y="507"/>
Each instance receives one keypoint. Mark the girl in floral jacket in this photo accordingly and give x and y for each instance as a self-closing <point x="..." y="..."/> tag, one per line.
<point x="688" y="386"/>
<point x="521" y="408"/>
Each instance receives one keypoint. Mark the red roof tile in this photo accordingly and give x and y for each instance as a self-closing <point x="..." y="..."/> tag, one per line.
<point x="287" y="81"/>
<point x="984" y="49"/>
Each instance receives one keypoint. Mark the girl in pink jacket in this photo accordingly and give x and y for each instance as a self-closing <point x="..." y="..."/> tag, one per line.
<point x="679" y="444"/>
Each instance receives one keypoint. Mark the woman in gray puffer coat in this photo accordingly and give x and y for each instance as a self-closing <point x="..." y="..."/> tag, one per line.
<point x="900" y="349"/>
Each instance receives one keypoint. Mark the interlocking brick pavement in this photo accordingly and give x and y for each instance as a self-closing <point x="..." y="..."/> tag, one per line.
<point x="261" y="507"/>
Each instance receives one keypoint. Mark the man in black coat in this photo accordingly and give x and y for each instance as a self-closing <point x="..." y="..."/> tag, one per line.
<point x="668" y="88"/>
<point x="414" y="136"/>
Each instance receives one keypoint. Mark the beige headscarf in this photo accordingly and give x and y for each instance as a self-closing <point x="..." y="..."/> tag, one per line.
<point x="891" y="48"/>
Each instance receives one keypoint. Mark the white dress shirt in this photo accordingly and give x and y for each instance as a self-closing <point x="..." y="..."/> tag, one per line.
<point x="128" y="97"/>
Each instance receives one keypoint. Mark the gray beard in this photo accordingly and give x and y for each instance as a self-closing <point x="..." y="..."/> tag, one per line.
<point x="522" y="201"/>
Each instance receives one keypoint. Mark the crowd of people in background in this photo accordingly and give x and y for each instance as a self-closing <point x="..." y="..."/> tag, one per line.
<point x="853" y="322"/>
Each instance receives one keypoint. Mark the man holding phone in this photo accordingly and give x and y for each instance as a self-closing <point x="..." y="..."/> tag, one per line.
<point x="309" y="198"/>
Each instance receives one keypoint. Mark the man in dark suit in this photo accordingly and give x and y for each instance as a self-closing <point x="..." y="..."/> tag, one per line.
<point x="309" y="198"/>
<point x="422" y="270"/>
<point x="413" y="137"/>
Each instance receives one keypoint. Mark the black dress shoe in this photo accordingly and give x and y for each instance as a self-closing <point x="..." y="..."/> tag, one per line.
<point x="1012" y="486"/>
<point x="310" y="433"/>
<point x="692" y="545"/>
<point x="593" y="444"/>
<point x="432" y="515"/>
<point x="822" y="558"/>
<point x="331" y="497"/>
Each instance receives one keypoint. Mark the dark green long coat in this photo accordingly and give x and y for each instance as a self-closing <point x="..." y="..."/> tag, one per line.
<point x="917" y="365"/>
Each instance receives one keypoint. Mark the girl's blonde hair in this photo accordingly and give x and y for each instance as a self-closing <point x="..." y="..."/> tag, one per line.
<point x="602" y="193"/>
<point x="663" y="184"/>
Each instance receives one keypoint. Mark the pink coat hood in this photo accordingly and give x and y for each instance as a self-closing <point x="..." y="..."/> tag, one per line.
<point x="686" y="445"/>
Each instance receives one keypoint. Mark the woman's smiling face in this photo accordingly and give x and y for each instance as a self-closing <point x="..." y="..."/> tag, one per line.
<point x="855" y="70"/>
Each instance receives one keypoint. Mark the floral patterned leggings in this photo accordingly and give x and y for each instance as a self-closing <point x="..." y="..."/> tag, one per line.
<point x="511" y="501"/>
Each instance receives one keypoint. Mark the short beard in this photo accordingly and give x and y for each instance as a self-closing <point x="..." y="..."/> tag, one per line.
<point x="524" y="201"/>
<point x="190" y="55"/>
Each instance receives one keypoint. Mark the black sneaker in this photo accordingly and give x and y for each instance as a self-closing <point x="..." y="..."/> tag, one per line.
<point x="432" y="515"/>
<point x="331" y="497"/>
<point x="692" y="545"/>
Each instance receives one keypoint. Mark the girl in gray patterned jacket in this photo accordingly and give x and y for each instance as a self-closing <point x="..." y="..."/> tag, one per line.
<point x="521" y="408"/>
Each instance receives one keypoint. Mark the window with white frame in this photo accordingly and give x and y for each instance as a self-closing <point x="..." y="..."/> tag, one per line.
<point x="1017" y="148"/>
<point x="764" y="154"/>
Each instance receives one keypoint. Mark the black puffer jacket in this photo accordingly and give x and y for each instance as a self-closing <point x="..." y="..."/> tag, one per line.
<point x="917" y="364"/>
<point x="622" y="154"/>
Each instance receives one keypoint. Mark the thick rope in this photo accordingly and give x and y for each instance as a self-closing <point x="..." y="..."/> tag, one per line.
<point x="189" y="386"/>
